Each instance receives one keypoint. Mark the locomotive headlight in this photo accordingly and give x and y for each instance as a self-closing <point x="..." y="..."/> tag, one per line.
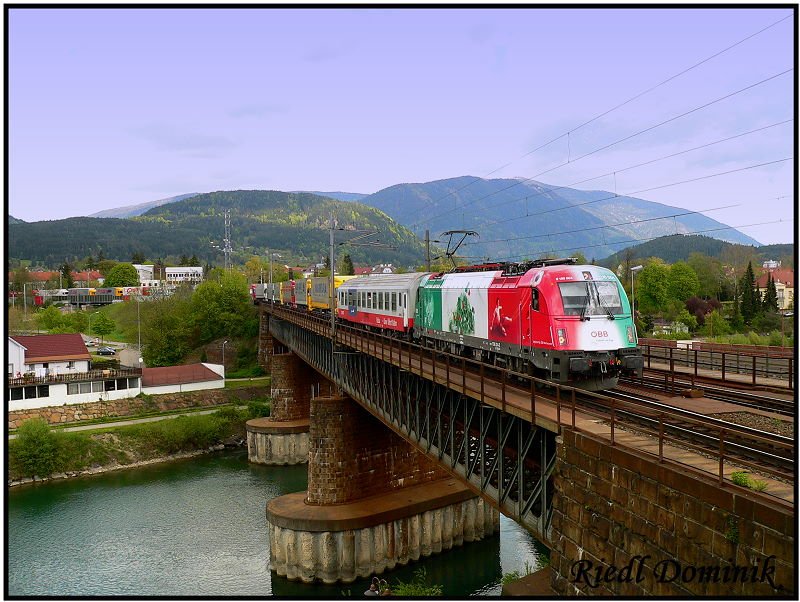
<point x="631" y="340"/>
<point x="562" y="336"/>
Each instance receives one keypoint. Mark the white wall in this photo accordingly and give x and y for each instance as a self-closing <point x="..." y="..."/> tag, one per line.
<point x="218" y="368"/>
<point x="159" y="390"/>
<point x="16" y="357"/>
<point x="58" y="368"/>
<point x="58" y="397"/>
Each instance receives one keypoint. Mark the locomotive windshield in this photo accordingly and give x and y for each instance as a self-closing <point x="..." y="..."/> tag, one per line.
<point x="590" y="298"/>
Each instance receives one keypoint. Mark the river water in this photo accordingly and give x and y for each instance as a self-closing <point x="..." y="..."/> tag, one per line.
<point x="197" y="527"/>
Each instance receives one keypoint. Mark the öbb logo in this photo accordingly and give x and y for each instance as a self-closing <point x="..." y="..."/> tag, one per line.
<point x="599" y="333"/>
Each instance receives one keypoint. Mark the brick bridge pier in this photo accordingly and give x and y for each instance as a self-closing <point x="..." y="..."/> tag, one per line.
<point x="373" y="501"/>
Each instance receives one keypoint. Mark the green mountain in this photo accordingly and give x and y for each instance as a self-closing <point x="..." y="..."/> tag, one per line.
<point x="678" y="248"/>
<point x="518" y="218"/>
<point x="293" y="224"/>
<point x="13" y="220"/>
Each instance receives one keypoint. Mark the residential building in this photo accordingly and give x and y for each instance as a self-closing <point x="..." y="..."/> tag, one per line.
<point x="48" y="354"/>
<point x="54" y="369"/>
<point x="784" y="286"/>
<point x="181" y="274"/>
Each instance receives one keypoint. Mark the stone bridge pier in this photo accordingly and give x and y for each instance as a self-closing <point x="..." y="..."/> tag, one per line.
<point x="283" y="437"/>
<point x="373" y="502"/>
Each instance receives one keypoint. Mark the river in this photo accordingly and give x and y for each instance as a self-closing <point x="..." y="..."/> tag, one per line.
<point x="197" y="527"/>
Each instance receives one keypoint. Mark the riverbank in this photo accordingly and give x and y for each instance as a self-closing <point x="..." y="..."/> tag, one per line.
<point x="42" y="454"/>
<point x="111" y="468"/>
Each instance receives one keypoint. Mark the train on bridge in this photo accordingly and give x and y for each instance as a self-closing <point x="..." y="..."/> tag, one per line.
<point x="568" y="323"/>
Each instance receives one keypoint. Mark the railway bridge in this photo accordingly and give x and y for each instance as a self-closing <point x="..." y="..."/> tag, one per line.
<point x="412" y="451"/>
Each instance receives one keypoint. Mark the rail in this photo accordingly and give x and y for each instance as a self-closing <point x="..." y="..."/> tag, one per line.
<point x="517" y="394"/>
<point x="74" y="376"/>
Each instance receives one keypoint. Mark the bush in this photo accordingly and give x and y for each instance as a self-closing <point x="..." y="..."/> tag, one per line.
<point x="35" y="451"/>
<point x="416" y="587"/>
<point x="740" y="478"/>
<point x="258" y="409"/>
<point x="177" y="434"/>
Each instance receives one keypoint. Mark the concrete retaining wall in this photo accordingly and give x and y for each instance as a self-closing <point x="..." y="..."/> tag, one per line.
<point x="276" y="445"/>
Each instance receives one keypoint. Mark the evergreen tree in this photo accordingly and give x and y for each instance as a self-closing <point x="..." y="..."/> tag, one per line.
<point x="66" y="271"/>
<point x="183" y="260"/>
<point x="194" y="261"/>
<point x="346" y="268"/>
<point x="138" y="257"/>
<point x="750" y="303"/>
<point x="771" y="296"/>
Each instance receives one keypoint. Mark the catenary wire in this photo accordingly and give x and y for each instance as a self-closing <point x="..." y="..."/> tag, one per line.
<point x="607" y="146"/>
<point x="617" y="171"/>
<point x="620" y="105"/>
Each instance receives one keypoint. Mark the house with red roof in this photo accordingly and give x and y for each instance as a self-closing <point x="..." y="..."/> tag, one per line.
<point x="55" y="369"/>
<point x="784" y="285"/>
<point x="47" y="354"/>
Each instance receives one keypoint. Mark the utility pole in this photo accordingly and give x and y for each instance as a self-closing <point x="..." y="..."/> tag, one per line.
<point x="332" y="281"/>
<point x="428" y="250"/>
<point x="227" y="241"/>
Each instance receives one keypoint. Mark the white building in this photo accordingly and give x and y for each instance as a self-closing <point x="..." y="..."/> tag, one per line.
<point x="181" y="274"/>
<point x="145" y="272"/>
<point x="48" y="354"/>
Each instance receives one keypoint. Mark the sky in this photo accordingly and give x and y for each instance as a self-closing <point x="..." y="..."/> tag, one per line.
<point x="113" y="107"/>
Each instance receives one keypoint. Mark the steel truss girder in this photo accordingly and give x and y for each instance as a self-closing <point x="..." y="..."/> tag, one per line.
<point x="502" y="457"/>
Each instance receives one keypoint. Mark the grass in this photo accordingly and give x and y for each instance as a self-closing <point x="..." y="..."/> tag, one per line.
<point x="743" y="479"/>
<point x="253" y="382"/>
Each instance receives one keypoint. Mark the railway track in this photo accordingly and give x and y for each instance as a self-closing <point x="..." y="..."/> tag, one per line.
<point x="772" y="453"/>
<point x="737" y="396"/>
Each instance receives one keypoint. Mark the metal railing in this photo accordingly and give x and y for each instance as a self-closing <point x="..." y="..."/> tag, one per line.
<point x="69" y="377"/>
<point x="517" y="394"/>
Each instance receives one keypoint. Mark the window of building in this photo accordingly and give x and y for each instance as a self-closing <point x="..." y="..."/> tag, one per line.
<point x="109" y="385"/>
<point x="11" y="369"/>
<point x="85" y="387"/>
<point x="15" y="393"/>
<point x="70" y="365"/>
<point x="133" y="383"/>
<point x="97" y="386"/>
<point x="30" y="392"/>
<point x="72" y="389"/>
<point x="122" y="383"/>
<point x="43" y="391"/>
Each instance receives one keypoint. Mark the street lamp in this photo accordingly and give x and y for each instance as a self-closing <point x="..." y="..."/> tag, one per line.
<point x="634" y="269"/>
<point x="225" y="342"/>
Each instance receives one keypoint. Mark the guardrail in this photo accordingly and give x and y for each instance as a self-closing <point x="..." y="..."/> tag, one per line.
<point x="74" y="376"/>
<point x="725" y="362"/>
<point x="506" y="392"/>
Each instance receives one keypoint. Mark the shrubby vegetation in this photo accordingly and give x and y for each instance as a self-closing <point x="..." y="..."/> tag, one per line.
<point x="40" y="451"/>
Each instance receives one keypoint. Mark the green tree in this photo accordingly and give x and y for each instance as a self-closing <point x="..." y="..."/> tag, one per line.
<point x="194" y="261"/>
<point x="223" y="307"/>
<point x="102" y="325"/>
<point x="652" y="291"/>
<point x="683" y="281"/>
<point x="138" y="258"/>
<point x="184" y="260"/>
<point x="122" y="274"/>
<point x="49" y="318"/>
<point x="254" y="269"/>
<point x="750" y="304"/>
<point x="105" y="266"/>
<point x="770" y="296"/>
<point x="20" y="278"/>
<point x="167" y="332"/>
<point x="76" y="321"/>
<point x="346" y="266"/>
<point x="710" y="274"/>
<point x="66" y="271"/>
<point x="684" y="317"/>
<point x="36" y="448"/>
<point x="715" y="325"/>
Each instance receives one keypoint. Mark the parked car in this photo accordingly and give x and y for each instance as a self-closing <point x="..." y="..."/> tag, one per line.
<point x="106" y="351"/>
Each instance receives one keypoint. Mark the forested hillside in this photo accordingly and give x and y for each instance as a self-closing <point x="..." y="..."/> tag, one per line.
<point x="295" y="223"/>
<point x="678" y="248"/>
